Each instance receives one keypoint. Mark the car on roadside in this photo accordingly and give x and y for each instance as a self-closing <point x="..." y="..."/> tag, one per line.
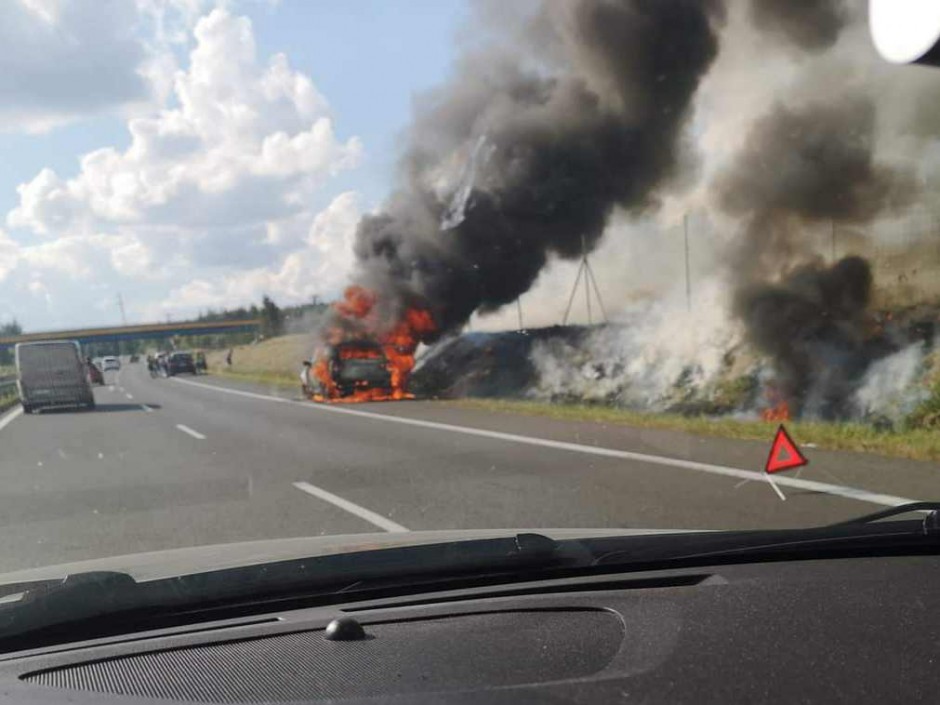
<point x="180" y="362"/>
<point x="110" y="363"/>
<point x="52" y="374"/>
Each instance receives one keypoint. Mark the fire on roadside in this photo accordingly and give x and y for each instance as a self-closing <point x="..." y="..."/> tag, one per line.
<point x="778" y="409"/>
<point x="357" y="335"/>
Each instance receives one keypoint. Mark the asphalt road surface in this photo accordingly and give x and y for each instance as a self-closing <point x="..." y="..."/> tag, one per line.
<point x="168" y="463"/>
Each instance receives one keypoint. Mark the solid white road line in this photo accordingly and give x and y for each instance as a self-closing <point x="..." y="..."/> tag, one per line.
<point x="352" y="508"/>
<point x="146" y="408"/>
<point x="5" y="420"/>
<point x="886" y="500"/>
<point x="187" y="429"/>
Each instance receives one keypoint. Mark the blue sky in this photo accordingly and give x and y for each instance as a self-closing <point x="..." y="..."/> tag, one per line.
<point x="80" y="236"/>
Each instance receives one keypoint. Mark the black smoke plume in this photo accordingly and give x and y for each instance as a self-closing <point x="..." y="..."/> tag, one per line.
<point x="814" y="325"/>
<point x="800" y="167"/>
<point x="524" y="155"/>
<point x="811" y="25"/>
<point x="807" y="166"/>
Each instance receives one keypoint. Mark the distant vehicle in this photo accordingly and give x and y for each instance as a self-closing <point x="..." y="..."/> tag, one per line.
<point x="352" y="365"/>
<point x="110" y="363"/>
<point x="179" y="362"/>
<point x="134" y="358"/>
<point x="50" y="374"/>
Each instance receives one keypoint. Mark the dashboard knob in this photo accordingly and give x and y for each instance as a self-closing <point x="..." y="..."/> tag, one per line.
<point x="344" y="629"/>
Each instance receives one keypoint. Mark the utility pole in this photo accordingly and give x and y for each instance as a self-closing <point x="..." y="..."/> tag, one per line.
<point x="120" y="300"/>
<point x="587" y="287"/>
<point x="519" y="311"/>
<point x="688" y="278"/>
<point x="584" y="269"/>
<point x="832" y="239"/>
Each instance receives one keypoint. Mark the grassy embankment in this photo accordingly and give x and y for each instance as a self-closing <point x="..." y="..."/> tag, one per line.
<point x="7" y="400"/>
<point x="277" y="362"/>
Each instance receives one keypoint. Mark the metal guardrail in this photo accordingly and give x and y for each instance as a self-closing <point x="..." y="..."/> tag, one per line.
<point x="7" y="385"/>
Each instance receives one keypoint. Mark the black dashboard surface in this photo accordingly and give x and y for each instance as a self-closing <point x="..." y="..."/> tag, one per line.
<point x="847" y="630"/>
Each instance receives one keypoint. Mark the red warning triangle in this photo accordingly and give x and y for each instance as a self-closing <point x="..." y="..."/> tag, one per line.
<point x="784" y="455"/>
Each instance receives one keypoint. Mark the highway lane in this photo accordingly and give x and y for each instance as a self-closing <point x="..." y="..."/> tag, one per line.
<point x="182" y="462"/>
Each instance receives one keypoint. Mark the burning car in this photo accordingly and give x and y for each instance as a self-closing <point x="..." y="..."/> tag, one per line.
<point x="351" y="370"/>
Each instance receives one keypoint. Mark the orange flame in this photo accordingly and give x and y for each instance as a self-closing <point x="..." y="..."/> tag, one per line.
<point x="397" y="344"/>
<point x="778" y="409"/>
<point x="778" y="412"/>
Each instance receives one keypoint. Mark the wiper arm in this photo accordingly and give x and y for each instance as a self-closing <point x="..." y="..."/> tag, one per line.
<point x="858" y="535"/>
<point x="95" y="604"/>
<point x="52" y="605"/>
<point x="931" y="521"/>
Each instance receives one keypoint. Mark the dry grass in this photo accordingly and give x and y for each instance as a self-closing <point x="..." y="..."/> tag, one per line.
<point x="7" y="401"/>
<point x="920" y="444"/>
<point x="276" y="361"/>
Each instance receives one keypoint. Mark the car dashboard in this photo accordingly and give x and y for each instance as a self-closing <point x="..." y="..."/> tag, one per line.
<point x="851" y="629"/>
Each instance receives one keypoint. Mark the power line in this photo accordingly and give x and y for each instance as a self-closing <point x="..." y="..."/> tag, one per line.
<point x="688" y="276"/>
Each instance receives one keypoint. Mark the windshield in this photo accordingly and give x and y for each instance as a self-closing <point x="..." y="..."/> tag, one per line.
<point x="437" y="265"/>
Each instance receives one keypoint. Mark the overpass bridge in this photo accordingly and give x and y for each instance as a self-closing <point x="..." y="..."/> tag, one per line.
<point x="150" y="331"/>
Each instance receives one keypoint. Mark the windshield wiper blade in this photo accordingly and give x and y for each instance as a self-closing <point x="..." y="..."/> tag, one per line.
<point x="931" y="521"/>
<point x="96" y="604"/>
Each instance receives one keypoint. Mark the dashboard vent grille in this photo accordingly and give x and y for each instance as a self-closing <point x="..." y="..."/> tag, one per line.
<point x="447" y="653"/>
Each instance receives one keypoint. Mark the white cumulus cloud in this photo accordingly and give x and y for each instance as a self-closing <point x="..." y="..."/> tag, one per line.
<point x="61" y="60"/>
<point x="211" y="198"/>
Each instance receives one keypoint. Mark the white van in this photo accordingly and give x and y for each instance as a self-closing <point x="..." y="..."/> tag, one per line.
<point x="52" y="374"/>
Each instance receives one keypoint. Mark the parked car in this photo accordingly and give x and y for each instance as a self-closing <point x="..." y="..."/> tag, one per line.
<point x="179" y="362"/>
<point x="110" y="363"/>
<point x="50" y="374"/>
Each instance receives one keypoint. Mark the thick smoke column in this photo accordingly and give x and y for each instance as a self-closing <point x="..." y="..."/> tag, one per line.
<point x="810" y="165"/>
<point x="591" y="119"/>
<point x="813" y="325"/>
<point x="801" y="167"/>
<point x="812" y="25"/>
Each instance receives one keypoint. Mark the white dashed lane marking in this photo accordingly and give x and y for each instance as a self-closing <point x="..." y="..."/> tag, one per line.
<point x="191" y="432"/>
<point x="351" y="507"/>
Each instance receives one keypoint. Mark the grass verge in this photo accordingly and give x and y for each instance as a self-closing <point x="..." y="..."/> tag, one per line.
<point x="274" y="379"/>
<point x="7" y="401"/>
<point x="276" y="362"/>
<point x="919" y="444"/>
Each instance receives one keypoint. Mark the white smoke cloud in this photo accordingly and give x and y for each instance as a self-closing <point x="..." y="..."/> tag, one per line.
<point x="657" y="353"/>
<point x="892" y="386"/>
